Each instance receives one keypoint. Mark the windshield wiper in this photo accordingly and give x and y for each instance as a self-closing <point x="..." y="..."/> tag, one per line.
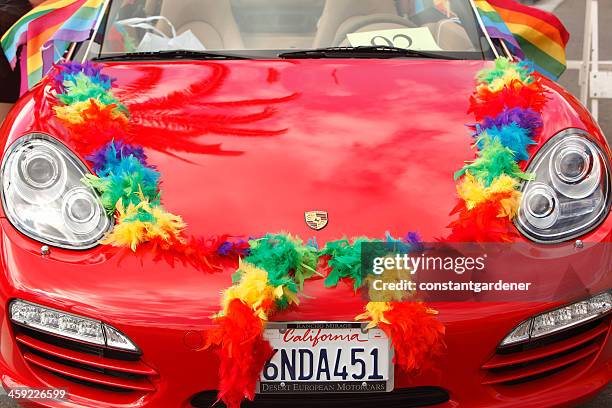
<point x="374" y="51"/>
<point x="175" y="54"/>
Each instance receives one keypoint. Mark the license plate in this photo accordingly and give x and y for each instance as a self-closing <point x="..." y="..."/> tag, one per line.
<point x="326" y="357"/>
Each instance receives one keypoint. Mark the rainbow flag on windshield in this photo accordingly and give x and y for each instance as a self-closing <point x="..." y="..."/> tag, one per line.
<point x="45" y="33"/>
<point x="529" y="32"/>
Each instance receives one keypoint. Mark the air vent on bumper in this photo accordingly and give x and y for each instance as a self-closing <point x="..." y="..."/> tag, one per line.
<point x="86" y="365"/>
<point x="75" y="352"/>
<point x="547" y="356"/>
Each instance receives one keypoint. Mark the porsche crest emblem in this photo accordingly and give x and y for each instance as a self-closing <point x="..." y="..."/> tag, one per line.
<point x="317" y="220"/>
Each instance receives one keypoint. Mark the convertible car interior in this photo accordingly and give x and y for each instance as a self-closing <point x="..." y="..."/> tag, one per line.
<point x="281" y="24"/>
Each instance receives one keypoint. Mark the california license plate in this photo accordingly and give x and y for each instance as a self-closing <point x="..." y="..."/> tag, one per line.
<point x="321" y="357"/>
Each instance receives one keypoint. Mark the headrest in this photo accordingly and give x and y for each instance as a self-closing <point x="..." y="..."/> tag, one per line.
<point x="337" y="12"/>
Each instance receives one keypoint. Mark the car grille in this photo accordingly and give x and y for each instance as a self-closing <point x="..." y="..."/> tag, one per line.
<point x="547" y="356"/>
<point x="399" y="398"/>
<point x="72" y="362"/>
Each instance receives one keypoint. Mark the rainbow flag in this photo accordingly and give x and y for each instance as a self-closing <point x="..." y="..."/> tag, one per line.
<point x="536" y="34"/>
<point x="45" y="33"/>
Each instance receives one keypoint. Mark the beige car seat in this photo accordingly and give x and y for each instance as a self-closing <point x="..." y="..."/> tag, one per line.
<point x="451" y="36"/>
<point x="342" y="17"/>
<point x="342" y="14"/>
<point x="212" y="21"/>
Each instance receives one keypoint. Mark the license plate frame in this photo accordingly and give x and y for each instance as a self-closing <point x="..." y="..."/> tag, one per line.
<point x="323" y="387"/>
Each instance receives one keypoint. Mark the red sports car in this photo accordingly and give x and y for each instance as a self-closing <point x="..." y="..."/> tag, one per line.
<point x="180" y="201"/>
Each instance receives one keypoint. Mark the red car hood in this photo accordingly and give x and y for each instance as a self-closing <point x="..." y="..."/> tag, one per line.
<point x="373" y="143"/>
<point x="246" y="147"/>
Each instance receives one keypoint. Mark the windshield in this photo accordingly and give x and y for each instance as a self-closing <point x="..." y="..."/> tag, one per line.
<point x="269" y="28"/>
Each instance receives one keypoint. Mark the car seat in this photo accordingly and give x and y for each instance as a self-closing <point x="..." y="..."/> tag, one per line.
<point x="341" y="17"/>
<point x="451" y="36"/>
<point x="212" y="21"/>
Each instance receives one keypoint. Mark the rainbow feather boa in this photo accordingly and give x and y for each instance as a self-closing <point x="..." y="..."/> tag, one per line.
<point x="270" y="279"/>
<point x="507" y="104"/>
<point x="127" y="184"/>
<point x="129" y="187"/>
<point x="270" y="271"/>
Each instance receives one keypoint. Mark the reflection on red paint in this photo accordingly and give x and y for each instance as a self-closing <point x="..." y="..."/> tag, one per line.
<point x="185" y="114"/>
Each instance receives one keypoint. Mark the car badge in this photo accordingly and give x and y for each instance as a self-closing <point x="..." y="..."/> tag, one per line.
<point x="317" y="220"/>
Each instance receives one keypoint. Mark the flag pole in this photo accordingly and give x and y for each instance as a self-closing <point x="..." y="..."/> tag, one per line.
<point x="95" y="30"/>
<point x="483" y="28"/>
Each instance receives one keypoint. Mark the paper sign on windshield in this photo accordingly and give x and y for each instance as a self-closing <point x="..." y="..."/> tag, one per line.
<point x="410" y="38"/>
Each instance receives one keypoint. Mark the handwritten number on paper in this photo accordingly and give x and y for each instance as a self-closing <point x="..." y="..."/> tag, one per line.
<point x="398" y="40"/>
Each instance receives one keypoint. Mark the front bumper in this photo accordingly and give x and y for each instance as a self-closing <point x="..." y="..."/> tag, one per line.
<point x="186" y="378"/>
<point x="164" y="307"/>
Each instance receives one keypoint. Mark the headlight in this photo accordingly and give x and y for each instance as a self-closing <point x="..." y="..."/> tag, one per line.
<point x="560" y="319"/>
<point x="43" y="196"/>
<point x="68" y="325"/>
<point x="570" y="193"/>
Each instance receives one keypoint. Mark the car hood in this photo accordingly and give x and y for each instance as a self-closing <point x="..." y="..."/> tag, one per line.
<point x="374" y="144"/>
<point x="247" y="147"/>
